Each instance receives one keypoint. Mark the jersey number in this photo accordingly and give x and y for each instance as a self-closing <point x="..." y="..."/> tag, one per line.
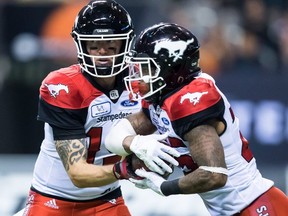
<point x="95" y="135"/>
<point x="246" y="152"/>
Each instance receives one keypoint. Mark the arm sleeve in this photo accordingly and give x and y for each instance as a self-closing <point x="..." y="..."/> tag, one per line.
<point x="115" y="137"/>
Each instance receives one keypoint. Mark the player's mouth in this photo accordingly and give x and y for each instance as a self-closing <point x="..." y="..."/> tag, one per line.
<point x="103" y="62"/>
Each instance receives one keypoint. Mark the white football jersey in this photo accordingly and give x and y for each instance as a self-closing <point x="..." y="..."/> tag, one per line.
<point x="69" y="100"/>
<point x="188" y="107"/>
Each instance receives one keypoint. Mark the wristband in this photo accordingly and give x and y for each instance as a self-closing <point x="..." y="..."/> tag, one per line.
<point x="170" y="187"/>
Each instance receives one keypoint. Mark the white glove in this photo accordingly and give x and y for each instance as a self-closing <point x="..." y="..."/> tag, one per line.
<point x="151" y="180"/>
<point x="152" y="152"/>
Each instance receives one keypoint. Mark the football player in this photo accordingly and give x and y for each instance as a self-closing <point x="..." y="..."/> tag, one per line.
<point x="74" y="173"/>
<point x="184" y="103"/>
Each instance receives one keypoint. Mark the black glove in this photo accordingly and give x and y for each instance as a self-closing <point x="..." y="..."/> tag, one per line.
<point x="123" y="169"/>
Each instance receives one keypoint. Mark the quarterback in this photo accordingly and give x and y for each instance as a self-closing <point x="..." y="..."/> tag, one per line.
<point x="74" y="173"/>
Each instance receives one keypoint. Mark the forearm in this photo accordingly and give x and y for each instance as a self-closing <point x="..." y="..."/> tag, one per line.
<point x="201" y="181"/>
<point x="89" y="175"/>
<point x="127" y="142"/>
<point x="74" y="155"/>
<point x="207" y="151"/>
<point x="141" y="124"/>
<point x="198" y="181"/>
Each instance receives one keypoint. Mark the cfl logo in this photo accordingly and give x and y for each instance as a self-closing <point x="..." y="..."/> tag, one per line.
<point x="261" y="211"/>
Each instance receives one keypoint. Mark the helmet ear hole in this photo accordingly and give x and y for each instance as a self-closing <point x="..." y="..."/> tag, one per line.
<point x="180" y="79"/>
<point x="163" y="58"/>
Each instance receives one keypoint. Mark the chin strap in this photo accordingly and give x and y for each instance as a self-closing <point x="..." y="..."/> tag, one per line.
<point x="215" y="169"/>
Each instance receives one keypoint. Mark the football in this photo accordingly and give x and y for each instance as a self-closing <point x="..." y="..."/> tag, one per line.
<point x="137" y="163"/>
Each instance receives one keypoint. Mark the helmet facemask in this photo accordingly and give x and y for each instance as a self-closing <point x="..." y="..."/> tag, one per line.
<point x="87" y="61"/>
<point x="143" y="80"/>
<point x="103" y="21"/>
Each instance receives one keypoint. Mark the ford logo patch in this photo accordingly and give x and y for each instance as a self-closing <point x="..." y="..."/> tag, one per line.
<point x="165" y="121"/>
<point x="128" y="103"/>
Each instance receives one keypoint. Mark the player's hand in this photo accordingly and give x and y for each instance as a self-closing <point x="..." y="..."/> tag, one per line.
<point x="154" y="153"/>
<point x="150" y="180"/>
<point x="123" y="169"/>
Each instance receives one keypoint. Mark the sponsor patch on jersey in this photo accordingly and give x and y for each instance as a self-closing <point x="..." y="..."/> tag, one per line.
<point x="165" y="121"/>
<point x="113" y="117"/>
<point x="100" y="109"/>
<point x="51" y="204"/>
<point x="128" y="103"/>
<point x="114" y="94"/>
<point x="162" y="129"/>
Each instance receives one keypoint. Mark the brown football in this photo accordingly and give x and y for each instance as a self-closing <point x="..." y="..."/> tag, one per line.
<point x="137" y="163"/>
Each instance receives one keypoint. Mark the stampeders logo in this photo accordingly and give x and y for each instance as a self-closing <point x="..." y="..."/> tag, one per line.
<point x="175" y="48"/>
<point x="194" y="98"/>
<point x="55" y="89"/>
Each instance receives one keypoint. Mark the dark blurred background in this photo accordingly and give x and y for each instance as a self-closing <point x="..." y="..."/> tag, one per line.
<point x="244" y="45"/>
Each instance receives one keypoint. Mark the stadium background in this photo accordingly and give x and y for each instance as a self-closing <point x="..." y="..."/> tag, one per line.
<point x="244" y="45"/>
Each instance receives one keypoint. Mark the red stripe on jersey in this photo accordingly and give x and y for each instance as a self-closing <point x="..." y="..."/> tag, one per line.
<point x="68" y="88"/>
<point x="197" y="96"/>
